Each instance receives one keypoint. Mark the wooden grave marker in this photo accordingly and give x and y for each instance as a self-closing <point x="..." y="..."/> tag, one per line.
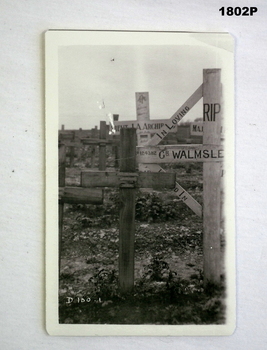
<point x="196" y="129"/>
<point x="128" y="180"/>
<point x="145" y="127"/>
<point x="176" y="117"/>
<point x="149" y="127"/>
<point x="212" y="113"/>
<point x="180" y="153"/>
<point x="210" y="153"/>
<point x="143" y="124"/>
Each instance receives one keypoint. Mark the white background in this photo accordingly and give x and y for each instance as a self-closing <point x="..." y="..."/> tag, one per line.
<point x="22" y="218"/>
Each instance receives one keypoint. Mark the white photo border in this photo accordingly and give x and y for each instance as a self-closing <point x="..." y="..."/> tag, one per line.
<point x="53" y="40"/>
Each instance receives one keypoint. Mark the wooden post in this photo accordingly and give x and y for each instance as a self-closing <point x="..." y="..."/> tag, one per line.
<point x="211" y="176"/>
<point x="116" y="155"/>
<point x="72" y="151"/>
<point x="79" y="149"/>
<point x="93" y="148"/>
<point x="61" y="183"/>
<point x="116" y="148"/>
<point x="143" y="115"/>
<point x="127" y="211"/>
<point x="72" y="156"/>
<point x="102" y="146"/>
<point x="107" y="131"/>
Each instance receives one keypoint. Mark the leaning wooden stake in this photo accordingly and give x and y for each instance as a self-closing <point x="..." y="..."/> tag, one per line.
<point x="102" y="146"/>
<point x="211" y="176"/>
<point x="127" y="211"/>
<point x="116" y="148"/>
<point x="61" y="183"/>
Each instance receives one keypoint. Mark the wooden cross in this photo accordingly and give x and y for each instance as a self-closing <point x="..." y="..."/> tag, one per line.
<point x="127" y="180"/>
<point x="143" y="124"/>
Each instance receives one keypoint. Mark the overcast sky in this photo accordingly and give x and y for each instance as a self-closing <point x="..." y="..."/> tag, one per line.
<point x="95" y="80"/>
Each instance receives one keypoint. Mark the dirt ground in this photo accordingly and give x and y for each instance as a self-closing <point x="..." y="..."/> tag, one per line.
<point x="168" y="263"/>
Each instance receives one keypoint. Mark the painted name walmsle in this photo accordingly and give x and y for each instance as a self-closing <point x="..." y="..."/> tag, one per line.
<point x="177" y="153"/>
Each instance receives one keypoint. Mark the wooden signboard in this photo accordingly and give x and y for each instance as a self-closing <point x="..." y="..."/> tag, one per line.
<point x="196" y="129"/>
<point x="153" y="126"/>
<point x="179" y="153"/>
<point x="142" y="105"/>
<point x="176" y="117"/>
<point x="114" y="179"/>
<point x="149" y="126"/>
<point x="142" y="115"/>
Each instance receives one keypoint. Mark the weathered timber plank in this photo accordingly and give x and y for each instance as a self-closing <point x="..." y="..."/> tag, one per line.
<point x="93" y="148"/>
<point x="70" y="143"/>
<point x="80" y="195"/>
<point x="102" y="146"/>
<point x="180" y="153"/>
<point x="176" y="117"/>
<point x="184" y="196"/>
<point x="150" y="126"/>
<point x="96" y="142"/>
<point x="143" y="180"/>
<point x="127" y="212"/>
<point x="99" y="179"/>
<point x="142" y="115"/>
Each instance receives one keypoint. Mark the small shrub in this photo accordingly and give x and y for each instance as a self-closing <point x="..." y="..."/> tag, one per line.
<point x="149" y="207"/>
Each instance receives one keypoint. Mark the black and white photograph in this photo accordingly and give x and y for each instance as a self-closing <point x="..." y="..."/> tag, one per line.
<point x="133" y="167"/>
<point x="140" y="228"/>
